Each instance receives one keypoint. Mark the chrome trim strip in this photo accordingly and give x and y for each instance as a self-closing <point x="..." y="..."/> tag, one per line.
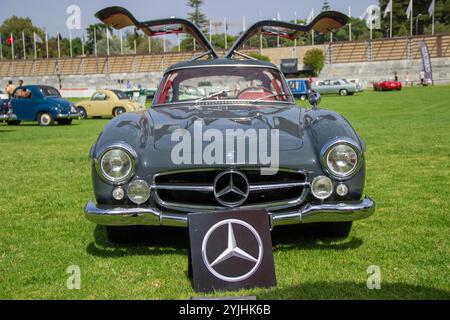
<point x="210" y="188"/>
<point x="310" y="213"/>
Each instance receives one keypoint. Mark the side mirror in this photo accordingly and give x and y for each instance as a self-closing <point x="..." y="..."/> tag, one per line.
<point x="314" y="98"/>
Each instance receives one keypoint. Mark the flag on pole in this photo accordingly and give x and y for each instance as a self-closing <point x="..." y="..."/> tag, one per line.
<point x="10" y="40"/>
<point x="310" y="17"/>
<point x="431" y="11"/>
<point x="350" y="23"/>
<point x="24" y="46"/>
<point x="432" y="8"/>
<point x="409" y="11"/>
<point x="410" y="15"/>
<point x="388" y="9"/>
<point x="46" y="43"/>
<point x="1" y="47"/>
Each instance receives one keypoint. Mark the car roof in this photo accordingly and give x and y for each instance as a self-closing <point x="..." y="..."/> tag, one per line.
<point x="221" y="62"/>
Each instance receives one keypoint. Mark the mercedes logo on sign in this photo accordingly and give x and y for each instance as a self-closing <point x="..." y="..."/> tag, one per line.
<point x="231" y="188"/>
<point x="233" y="249"/>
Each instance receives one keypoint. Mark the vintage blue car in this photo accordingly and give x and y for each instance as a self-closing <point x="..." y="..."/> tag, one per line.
<point x="42" y="104"/>
<point x="300" y="88"/>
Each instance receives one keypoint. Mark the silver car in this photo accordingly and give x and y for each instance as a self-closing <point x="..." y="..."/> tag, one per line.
<point x="336" y="86"/>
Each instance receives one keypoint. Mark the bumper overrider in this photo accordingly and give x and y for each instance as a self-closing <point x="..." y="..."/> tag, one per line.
<point x="9" y="116"/>
<point x="309" y="213"/>
<point x="69" y="116"/>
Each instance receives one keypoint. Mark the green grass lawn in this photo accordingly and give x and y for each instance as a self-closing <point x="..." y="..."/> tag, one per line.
<point x="45" y="183"/>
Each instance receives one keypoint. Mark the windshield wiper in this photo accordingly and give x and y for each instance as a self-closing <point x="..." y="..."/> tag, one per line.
<point x="272" y="96"/>
<point x="214" y="95"/>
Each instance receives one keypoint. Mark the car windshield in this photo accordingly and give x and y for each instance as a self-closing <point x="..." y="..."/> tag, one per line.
<point x="240" y="83"/>
<point x="121" y="95"/>
<point x="49" y="92"/>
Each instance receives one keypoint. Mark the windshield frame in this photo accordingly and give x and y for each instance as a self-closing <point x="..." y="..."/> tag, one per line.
<point x="286" y="91"/>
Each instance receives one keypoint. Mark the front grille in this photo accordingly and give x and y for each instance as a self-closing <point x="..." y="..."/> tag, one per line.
<point x="193" y="190"/>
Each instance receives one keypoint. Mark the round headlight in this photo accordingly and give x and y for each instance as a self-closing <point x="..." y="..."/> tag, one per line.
<point x="116" y="165"/>
<point x="322" y="187"/>
<point x="139" y="191"/>
<point x="341" y="160"/>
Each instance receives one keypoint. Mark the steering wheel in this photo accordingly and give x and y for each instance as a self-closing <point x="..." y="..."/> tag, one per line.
<point x="258" y="93"/>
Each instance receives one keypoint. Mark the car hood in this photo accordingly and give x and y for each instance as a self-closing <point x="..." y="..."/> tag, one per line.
<point x="284" y="118"/>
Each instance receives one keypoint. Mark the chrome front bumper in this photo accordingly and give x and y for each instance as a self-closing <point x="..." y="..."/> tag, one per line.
<point x="8" y="117"/>
<point x="327" y="212"/>
<point x="69" y="116"/>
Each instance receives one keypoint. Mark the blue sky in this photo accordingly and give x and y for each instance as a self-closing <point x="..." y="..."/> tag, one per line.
<point x="51" y="14"/>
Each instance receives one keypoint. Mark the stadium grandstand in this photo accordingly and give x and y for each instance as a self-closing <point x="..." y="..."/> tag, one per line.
<point x="374" y="59"/>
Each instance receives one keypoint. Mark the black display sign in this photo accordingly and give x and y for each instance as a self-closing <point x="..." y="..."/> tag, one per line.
<point x="289" y="65"/>
<point x="230" y="251"/>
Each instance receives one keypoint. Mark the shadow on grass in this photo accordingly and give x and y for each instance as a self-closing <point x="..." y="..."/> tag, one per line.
<point x="154" y="241"/>
<point x="301" y="237"/>
<point x="144" y="241"/>
<point x="353" y="290"/>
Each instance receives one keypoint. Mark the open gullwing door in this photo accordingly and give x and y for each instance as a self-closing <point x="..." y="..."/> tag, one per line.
<point x="325" y="22"/>
<point x="119" y="18"/>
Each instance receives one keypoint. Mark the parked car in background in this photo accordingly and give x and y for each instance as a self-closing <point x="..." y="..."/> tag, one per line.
<point x="136" y="94"/>
<point x="387" y="86"/>
<point x="107" y="103"/>
<point x="336" y="86"/>
<point x="6" y="111"/>
<point x="300" y="88"/>
<point x="43" y="104"/>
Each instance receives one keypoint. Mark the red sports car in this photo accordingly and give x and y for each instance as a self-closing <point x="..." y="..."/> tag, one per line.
<point x="387" y="86"/>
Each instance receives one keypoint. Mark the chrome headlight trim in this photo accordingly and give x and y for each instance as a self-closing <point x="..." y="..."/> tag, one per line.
<point x="341" y="141"/>
<point x="116" y="146"/>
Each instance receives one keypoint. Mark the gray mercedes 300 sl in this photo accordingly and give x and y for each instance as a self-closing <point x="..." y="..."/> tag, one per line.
<point x="225" y="134"/>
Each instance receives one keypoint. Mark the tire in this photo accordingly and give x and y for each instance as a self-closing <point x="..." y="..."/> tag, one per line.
<point x="45" y="119"/>
<point x="64" y="122"/>
<point x="83" y="112"/>
<point x="13" y="122"/>
<point x="118" y="111"/>
<point x="332" y="229"/>
<point x="122" y="234"/>
<point x="343" y="92"/>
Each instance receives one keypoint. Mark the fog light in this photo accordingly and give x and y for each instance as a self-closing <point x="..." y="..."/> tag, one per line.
<point x="322" y="187"/>
<point x="342" y="190"/>
<point x="138" y="191"/>
<point x="118" y="193"/>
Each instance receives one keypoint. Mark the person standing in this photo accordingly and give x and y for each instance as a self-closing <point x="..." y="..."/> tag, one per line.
<point x="10" y="89"/>
<point x="20" y="83"/>
<point x="422" y="78"/>
<point x="395" y="76"/>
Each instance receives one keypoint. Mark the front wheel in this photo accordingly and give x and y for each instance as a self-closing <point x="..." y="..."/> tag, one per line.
<point x="45" y="119"/>
<point x="343" y="92"/>
<point x="118" y="111"/>
<point x="82" y="112"/>
<point x="332" y="229"/>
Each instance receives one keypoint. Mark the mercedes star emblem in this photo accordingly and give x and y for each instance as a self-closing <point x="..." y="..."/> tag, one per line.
<point x="231" y="188"/>
<point x="233" y="250"/>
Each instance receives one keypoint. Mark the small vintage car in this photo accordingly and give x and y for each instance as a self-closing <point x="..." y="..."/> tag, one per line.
<point x="107" y="103"/>
<point x="43" y="104"/>
<point x="154" y="167"/>
<point x="336" y="86"/>
<point x="300" y="88"/>
<point x="387" y="86"/>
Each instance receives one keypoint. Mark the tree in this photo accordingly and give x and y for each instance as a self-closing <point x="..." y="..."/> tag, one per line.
<point x="100" y="34"/>
<point x="17" y="25"/>
<point x="315" y="59"/>
<point x="196" y="16"/>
